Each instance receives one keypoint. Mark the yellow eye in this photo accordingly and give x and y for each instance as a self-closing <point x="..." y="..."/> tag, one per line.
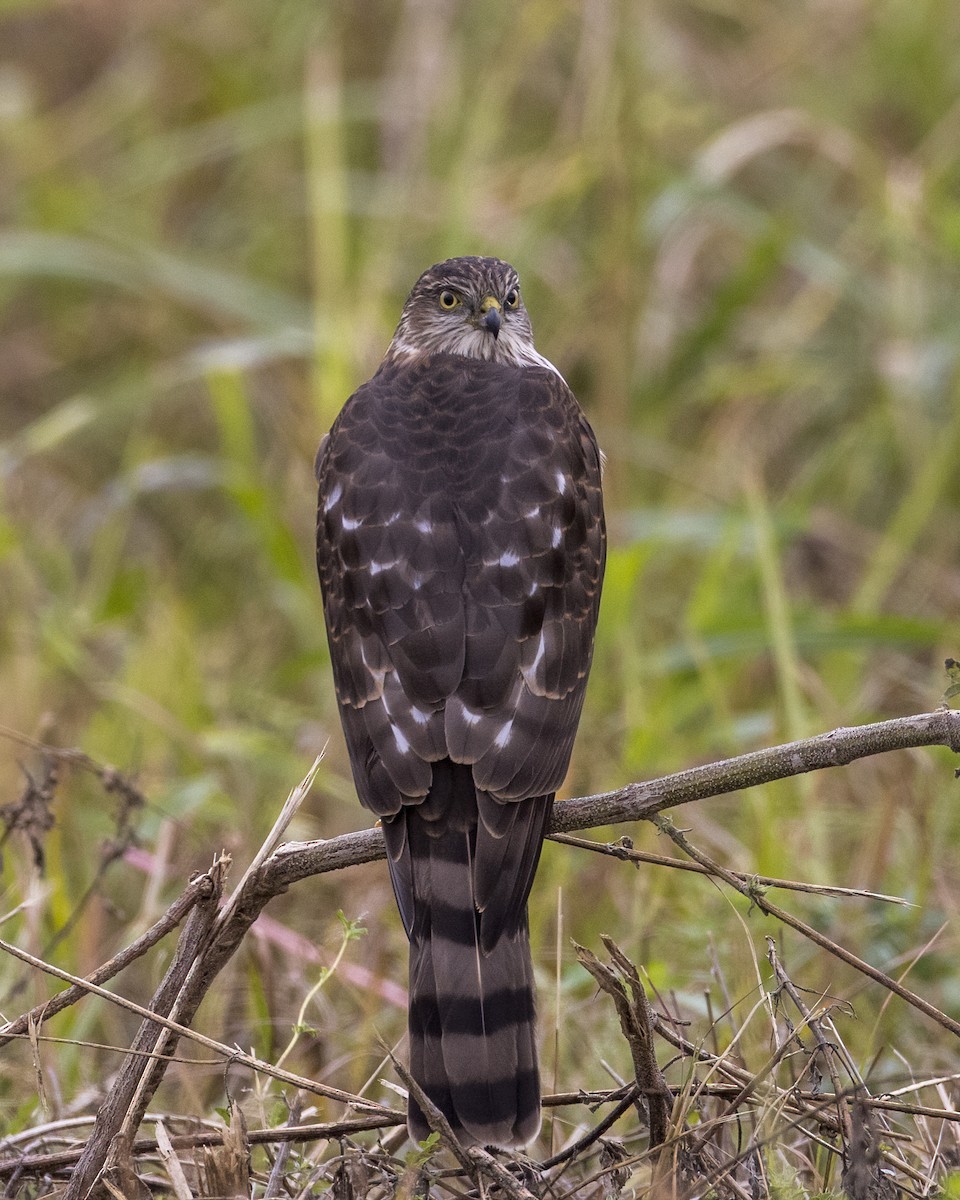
<point x="449" y="300"/>
<point x="512" y="298"/>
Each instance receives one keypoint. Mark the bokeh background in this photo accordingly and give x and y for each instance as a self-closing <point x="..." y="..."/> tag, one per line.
<point x="738" y="228"/>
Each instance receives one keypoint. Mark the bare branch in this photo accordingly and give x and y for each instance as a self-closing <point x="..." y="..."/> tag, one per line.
<point x="641" y="801"/>
<point x="196" y="889"/>
<point x="757" y="898"/>
<point x="624" y="850"/>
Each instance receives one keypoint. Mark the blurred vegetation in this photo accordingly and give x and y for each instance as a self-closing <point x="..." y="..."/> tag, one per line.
<point x="738" y="228"/>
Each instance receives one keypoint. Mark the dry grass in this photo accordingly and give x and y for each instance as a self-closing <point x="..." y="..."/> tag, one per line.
<point x="713" y="1120"/>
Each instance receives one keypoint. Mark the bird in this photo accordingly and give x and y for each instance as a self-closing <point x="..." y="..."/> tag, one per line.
<point x="460" y="549"/>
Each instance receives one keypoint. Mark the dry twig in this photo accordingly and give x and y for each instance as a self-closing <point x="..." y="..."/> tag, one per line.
<point x="210" y="939"/>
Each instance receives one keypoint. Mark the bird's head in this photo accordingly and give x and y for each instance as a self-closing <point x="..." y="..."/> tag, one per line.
<point x="468" y="306"/>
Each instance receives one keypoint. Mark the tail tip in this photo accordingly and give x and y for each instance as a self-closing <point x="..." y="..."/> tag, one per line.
<point x="510" y="1132"/>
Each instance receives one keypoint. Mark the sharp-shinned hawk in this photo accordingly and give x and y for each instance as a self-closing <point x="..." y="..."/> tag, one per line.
<point x="460" y="546"/>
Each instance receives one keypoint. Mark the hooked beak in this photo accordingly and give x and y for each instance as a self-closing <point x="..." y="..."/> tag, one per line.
<point x="491" y="316"/>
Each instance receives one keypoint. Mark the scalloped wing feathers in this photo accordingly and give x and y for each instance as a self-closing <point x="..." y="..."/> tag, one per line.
<point x="460" y="547"/>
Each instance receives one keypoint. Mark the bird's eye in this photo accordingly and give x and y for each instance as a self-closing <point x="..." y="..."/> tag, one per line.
<point x="449" y="300"/>
<point x="512" y="298"/>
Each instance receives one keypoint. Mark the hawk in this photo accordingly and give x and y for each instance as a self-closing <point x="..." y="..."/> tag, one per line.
<point x="460" y="548"/>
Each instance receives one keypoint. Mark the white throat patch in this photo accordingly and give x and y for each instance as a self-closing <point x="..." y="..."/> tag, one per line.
<point x="476" y="343"/>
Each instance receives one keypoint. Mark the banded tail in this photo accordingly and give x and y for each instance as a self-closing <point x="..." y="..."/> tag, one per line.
<point x="472" y="1018"/>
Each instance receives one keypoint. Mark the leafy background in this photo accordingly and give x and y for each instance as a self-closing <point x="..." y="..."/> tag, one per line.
<point x="738" y="227"/>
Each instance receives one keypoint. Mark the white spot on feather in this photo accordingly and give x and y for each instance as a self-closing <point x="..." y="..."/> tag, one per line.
<point x="471" y="718"/>
<point x="509" y="558"/>
<point x="557" y="535"/>
<point x="377" y="567"/>
<point x="541" y="651"/>
<point x="561" y="482"/>
<point x="378" y="673"/>
<point x="419" y="715"/>
<point x="393" y="518"/>
<point x="333" y="498"/>
<point x="352" y="523"/>
<point x="504" y="735"/>
<point x="423" y="526"/>
<point x="402" y="744"/>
